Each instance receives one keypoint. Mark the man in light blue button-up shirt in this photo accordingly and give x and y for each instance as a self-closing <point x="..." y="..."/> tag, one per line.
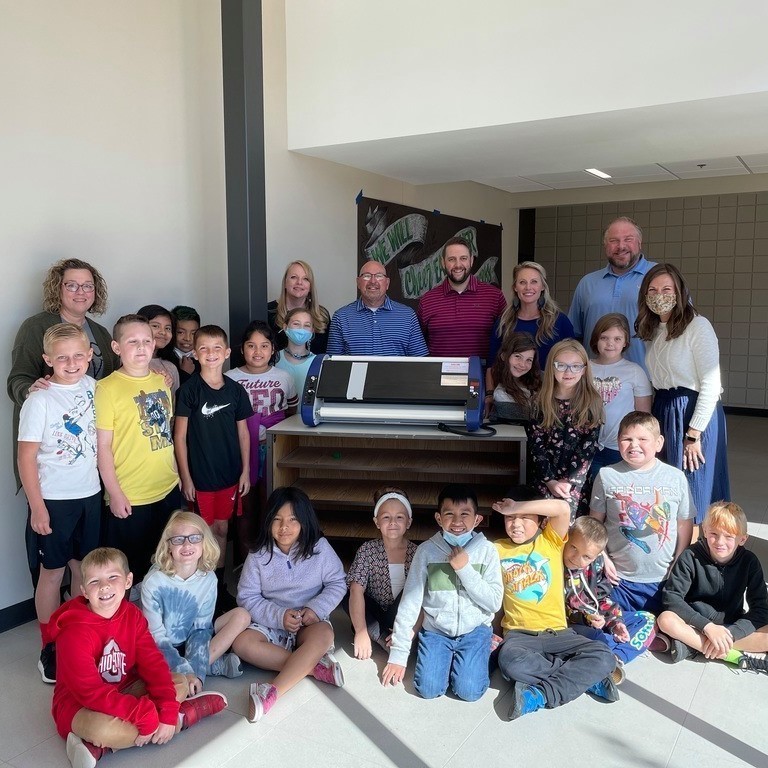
<point x="614" y="288"/>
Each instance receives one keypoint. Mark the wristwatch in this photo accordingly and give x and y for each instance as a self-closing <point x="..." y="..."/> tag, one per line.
<point x="692" y="439"/>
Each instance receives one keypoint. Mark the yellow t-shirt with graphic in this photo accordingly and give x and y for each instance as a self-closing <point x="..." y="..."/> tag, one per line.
<point x="138" y="410"/>
<point x="532" y="575"/>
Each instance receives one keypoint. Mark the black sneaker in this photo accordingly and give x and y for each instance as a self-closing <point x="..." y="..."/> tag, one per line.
<point x="751" y="664"/>
<point x="47" y="663"/>
<point x="679" y="651"/>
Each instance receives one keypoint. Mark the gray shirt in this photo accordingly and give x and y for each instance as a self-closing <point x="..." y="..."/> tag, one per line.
<point x="641" y="513"/>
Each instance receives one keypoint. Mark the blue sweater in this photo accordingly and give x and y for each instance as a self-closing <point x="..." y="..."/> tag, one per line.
<point x="181" y="611"/>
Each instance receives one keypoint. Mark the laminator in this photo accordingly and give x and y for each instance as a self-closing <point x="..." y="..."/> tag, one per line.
<point x="370" y="389"/>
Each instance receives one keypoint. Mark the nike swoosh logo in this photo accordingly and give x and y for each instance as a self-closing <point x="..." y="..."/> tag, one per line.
<point x="209" y="410"/>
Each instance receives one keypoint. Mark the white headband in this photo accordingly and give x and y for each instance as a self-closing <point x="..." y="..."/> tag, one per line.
<point x="399" y="497"/>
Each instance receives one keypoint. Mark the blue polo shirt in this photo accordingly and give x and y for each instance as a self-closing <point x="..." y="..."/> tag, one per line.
<point x="392" y="329"/>
<point x="601" y="292"/>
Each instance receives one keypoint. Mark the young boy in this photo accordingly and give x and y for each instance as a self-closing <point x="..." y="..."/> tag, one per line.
<point x="456" y="580"/>
<point x="114" y="688"/>
<point x="135" y="449"/>
<point x="212" y="441"/>
<point x="646" y="507"/>
<point x="704" y="596"/>
<point x="187" y="323"/>
<point x="549" y="663"/>
<point x="588" y="604"/>
<point x="57" y="464"/>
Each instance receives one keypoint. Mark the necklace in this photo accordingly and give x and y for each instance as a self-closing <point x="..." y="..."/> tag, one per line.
<point x="295" y="356"/>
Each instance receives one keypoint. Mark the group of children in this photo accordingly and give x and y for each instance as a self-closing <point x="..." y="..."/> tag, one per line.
<point x="571" y="614"/>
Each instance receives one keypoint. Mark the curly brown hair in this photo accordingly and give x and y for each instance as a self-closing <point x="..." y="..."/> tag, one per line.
<point x="55" y="277"/>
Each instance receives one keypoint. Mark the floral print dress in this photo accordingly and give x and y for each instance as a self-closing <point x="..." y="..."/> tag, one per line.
<point x="563" y="452"/>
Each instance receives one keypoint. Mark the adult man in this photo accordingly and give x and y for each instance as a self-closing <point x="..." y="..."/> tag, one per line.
<point x="614" y="288"/>
<point x="457" y="315"/>
<point x="374" y="324"/>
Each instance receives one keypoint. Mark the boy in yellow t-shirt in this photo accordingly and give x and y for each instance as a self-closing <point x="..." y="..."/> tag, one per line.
<point x="549" y="663"/>
<point x="135" y="449"/>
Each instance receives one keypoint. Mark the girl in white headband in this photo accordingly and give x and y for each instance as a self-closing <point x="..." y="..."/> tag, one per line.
<point x="378" y="572"/>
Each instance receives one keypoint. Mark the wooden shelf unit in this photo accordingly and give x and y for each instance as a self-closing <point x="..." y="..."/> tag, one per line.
<point x="339" y="466"/>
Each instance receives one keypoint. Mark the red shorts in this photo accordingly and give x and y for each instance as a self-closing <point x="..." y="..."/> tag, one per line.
<point x="218" y="505"/>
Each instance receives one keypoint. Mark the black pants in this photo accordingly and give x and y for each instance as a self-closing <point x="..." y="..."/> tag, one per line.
<point x="385" y="617"/>
<point x="561" y="663"/>
<point x="138" y="534"/>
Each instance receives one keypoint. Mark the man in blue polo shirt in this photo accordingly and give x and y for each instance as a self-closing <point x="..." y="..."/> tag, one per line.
<point x="615" y="287"/>
<point x="374" y="324"/>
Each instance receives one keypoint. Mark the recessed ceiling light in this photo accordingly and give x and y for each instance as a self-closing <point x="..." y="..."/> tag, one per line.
<point x="596" y="172"/>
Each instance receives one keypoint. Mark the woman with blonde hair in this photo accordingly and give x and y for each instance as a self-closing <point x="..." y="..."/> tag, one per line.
<point x="532" y="310"/>
<point x="299" y="292"/>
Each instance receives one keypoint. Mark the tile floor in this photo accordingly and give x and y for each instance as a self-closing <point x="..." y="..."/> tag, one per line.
<point x="691" y="714"/>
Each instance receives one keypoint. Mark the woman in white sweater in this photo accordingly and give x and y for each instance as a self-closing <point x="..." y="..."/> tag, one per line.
<point x="683" y="362"/>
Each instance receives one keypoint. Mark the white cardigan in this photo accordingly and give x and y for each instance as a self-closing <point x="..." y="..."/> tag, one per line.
<point x="692" y="360"/>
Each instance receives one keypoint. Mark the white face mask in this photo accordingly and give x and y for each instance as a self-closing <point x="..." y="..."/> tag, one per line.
<point x="660" y="303"/>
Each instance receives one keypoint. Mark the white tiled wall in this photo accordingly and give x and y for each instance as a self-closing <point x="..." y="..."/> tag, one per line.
<point x="720" y="242"/>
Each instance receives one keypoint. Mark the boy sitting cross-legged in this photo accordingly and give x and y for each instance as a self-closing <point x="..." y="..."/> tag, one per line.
<point x="549" y="662"/>
<point x="704" y="595"/>
<point x="114" y="689"/>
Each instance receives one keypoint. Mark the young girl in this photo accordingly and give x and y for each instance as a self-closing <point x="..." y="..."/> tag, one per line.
<point x="297" y="357"/>
<point x="291" y="581"/>
<point x="272" y="392"/>
<point x="564" y="435"/>
<point x="622" y="384"/>
<point x="377" y="576"/>
<point x="515" y="379"/>
<point x="178" y="598"/>
<point x="164" y="332"/>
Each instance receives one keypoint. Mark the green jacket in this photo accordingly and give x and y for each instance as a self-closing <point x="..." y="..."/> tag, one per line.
<point x="27" y="364"/>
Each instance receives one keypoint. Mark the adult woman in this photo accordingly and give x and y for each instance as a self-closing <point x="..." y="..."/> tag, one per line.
<point x="71" y="289"/>
<point x="532" y="310"/>
<point x="683" y="362"/>
<point x="299" y="292"/>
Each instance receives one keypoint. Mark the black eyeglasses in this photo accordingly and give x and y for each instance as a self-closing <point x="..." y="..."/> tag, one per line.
<point x="193" y="538"/>
<point x="74" y="287"/>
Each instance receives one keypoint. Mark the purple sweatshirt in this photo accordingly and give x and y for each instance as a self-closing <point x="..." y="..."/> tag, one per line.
<point x="272" y="584"/>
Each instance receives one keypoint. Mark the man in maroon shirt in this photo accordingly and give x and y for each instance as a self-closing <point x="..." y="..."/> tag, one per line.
<point x="457" y="315"/>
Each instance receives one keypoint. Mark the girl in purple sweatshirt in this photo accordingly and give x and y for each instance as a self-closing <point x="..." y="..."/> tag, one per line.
<point x="291" y="582"/>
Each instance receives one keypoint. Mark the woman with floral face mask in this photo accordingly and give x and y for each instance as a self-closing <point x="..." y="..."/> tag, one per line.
<point x="683" y="362"/>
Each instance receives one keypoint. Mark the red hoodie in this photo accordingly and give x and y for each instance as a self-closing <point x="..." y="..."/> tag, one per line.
<point x="96" y="658"/>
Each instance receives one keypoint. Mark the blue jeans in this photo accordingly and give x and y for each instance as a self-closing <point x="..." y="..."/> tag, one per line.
<point x="461" y="661"/>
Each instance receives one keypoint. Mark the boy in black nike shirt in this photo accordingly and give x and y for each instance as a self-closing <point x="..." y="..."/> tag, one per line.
<point x="212" y="440"/>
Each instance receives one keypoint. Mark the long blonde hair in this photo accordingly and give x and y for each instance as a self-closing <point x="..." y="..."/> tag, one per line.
<point x="586" y="404"/>
<point x="210" y="557"/>
<point x="320" y="316"/>
<point x="548" y="308"/>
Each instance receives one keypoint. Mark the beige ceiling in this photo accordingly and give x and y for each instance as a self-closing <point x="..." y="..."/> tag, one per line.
<point x="712" y="137"/>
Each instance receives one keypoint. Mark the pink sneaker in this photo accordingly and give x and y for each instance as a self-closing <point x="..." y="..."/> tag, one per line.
<point x="83" y="754"/>
<point x="195" y="708"/>
<point x="328" y="670"/>
<point x="262" y="698"/>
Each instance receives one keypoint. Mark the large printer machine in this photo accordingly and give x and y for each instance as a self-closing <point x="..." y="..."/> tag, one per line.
<point x="394" y="390"/>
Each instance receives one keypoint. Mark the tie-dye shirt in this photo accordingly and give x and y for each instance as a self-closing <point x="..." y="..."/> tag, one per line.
<point x="180" y="611"/>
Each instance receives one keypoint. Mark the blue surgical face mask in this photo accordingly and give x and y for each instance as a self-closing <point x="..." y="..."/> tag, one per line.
<point x="299" y="335"/>
<point x="457" y="541"/>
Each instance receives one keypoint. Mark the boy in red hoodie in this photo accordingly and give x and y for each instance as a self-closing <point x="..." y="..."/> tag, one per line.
<point x="113" y="688"/>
